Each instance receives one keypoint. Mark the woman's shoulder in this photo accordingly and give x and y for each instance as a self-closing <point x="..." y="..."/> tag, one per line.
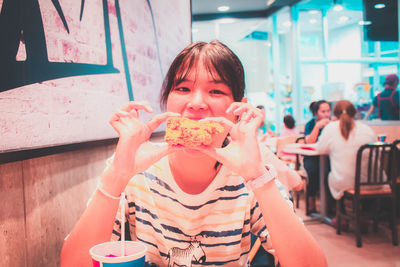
<point x="331" y="126"/>
<point x="310" y="122"/>
<point x="333" y="123"/>
<point x="365" y="130"/>
<point x="360" y="124"/>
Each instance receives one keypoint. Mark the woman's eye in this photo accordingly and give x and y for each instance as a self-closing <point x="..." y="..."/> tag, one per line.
<point x="218" y="92"/>
<point x="182" y="89"/>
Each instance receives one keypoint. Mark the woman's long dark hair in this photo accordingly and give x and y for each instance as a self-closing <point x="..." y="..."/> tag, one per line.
<point x="345" y="112"/>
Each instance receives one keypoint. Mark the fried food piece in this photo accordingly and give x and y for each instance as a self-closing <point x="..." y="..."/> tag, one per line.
<point x="190" y="133"/>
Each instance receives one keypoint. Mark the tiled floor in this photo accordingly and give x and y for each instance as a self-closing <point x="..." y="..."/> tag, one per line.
<point x="341" y="251"/>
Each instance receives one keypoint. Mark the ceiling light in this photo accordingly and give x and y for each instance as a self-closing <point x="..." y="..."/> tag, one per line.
<point x="312" y="21"/>
<point x="379" y="6"/>
<point x="338" y="8"/>
<point x="223" y="8"/>
<point x="364" y="22"/>
<point x="270" y="2"/>
<point x="226" y="20"/>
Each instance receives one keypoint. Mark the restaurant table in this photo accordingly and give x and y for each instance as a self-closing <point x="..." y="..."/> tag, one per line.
<point x="310" y="150"/>
<point x="270" y="142"/>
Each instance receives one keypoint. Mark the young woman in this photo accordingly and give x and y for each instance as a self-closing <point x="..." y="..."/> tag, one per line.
<point x="341" y="139"/>
<point x="206" y="198"/>
<point x="322" y="113"/>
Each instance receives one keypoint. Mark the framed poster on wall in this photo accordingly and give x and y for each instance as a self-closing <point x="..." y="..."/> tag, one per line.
<point x="66" y="66"/>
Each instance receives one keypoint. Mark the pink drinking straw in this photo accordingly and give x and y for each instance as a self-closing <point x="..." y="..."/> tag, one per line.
<point x="122" y="224"/>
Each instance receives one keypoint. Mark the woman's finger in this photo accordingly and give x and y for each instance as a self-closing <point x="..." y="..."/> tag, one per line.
<point x="117" y="115"/>
<point x="154" y="122"/>
<point x="251" y="114"/>
<point x="239" y="108"/>
<point x="137" y="105"/>
<point x="234" y="106"/>
<point x="244" y="117"/>
<point x="227" y="124"/>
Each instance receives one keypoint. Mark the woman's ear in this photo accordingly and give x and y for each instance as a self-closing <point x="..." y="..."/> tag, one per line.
<point x="244" y="100"/>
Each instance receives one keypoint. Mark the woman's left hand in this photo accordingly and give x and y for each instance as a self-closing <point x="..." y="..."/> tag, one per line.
<point x="242" y="155"/>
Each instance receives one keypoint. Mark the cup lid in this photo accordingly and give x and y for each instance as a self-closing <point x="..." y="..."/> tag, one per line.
<point x="134" y="250"/>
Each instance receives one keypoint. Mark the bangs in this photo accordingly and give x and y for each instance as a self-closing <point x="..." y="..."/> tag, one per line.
<point x="214" y="70"/>
<point x="219" y="61"/>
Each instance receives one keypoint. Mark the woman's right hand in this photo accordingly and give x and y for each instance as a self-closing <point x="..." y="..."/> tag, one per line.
<point x="134" y="153"/>
<point x="322" y="123"/>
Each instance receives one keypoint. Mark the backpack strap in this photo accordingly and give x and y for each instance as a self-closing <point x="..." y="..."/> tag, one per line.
<point x="379" y="104"/>
<point x="390" y="98"/>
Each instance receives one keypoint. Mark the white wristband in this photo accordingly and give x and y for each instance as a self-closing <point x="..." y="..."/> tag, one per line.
<point x="104" y="192"/>
<point x="267" y="176"/>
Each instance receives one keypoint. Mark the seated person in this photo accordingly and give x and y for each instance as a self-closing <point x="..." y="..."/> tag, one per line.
<point x="322" y="112"/>
<point x="341" y="139"/>
<point x="289" y="126"/>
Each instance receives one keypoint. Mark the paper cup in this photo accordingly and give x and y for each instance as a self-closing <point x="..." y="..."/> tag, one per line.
<point x="381" y="137"/>
<point x="108" y="254"/>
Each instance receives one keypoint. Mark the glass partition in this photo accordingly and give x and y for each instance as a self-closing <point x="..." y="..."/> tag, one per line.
<point x="310" y="51"/>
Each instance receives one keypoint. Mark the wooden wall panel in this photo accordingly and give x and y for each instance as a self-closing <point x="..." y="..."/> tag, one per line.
<point x="57" y="188"/>
<point x="392" y="132"/>
<point x="12" y="225"/>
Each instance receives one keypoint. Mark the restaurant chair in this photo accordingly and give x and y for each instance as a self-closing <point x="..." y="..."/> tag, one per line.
<point x="377" y="160"/>
<point x="303" y="174"/>
<point x="396" y="155"/>
<point x="396" y="172"/>
<point x="258" y="256"/>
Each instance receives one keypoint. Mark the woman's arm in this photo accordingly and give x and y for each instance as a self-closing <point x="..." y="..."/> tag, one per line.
<point x="293" y="243"/>
<point x="94" y="227"/>
<point x="370" y="111"/>
<point x="133" y="154"/>
<point x="313" y="136"/>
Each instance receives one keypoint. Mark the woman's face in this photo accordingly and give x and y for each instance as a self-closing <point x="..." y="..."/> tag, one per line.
<point x="200" y="96"/>
<point x="324" y="111"/>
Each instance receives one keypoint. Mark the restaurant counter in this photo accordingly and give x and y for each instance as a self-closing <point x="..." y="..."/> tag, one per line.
<point x="389" y="128"/>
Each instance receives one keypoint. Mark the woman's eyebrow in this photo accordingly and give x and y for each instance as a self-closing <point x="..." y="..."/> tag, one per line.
<point x="178" y="81"/>
<point x="218" y="81"/>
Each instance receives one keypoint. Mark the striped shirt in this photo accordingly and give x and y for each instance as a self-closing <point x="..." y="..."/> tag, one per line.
<point x="208" y="229"/>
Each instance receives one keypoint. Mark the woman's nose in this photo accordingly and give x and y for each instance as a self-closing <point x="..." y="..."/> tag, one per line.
<point x="197" y="101"/>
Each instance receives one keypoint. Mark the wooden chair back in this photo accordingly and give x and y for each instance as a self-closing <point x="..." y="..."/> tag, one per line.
<point x="377" y="158"/>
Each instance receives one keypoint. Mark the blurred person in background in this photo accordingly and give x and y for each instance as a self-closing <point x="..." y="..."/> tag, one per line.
<point x="289" y="126"/>
<point x="387" y="101"/>
<point x="322" y="113"/>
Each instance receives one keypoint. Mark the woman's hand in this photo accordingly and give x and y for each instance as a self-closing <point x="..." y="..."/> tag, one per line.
<point x="134" y="153"/>
<point x="322" y="123"/>
<point x="242" y="155"/>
